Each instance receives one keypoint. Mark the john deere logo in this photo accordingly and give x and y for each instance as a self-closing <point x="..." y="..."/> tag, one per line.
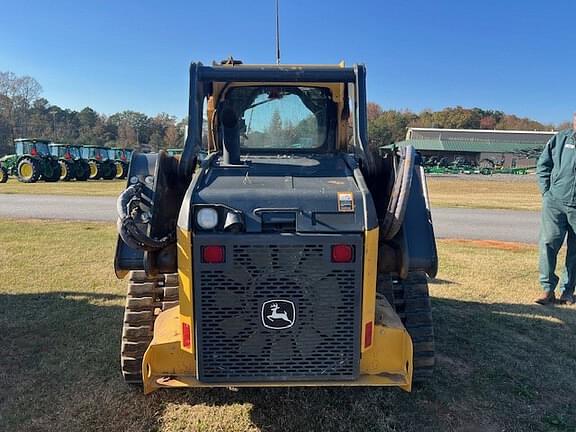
<point x="278" y="314"/>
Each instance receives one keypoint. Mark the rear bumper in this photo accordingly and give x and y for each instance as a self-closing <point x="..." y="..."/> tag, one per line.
<point x="387" y="363"/>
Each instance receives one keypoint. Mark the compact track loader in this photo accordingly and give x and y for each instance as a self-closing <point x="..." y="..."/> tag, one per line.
<point x="291" y="255"/>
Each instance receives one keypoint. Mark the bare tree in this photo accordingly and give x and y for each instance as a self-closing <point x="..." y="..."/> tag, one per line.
<point x="16" y="96"/>
<point x="374" y="111"/>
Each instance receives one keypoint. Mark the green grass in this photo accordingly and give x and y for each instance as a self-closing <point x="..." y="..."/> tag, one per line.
<point x="510" y="194"/>
<point x="503" y="362"/>
<point x="87" y="188"/>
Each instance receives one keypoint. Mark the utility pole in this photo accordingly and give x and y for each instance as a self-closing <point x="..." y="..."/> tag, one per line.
<point x="53" y="124"/>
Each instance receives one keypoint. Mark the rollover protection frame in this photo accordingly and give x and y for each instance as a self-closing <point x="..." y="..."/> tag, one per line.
<point x="202" y="79"/>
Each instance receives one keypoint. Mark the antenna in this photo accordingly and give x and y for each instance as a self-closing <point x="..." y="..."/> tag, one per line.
<point x="277" y="33"/>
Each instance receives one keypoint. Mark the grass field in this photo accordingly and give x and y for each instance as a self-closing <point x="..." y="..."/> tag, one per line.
<point x="87" y="188"/>
<point x="503" y="362"/>
<point x="477" y="192"/>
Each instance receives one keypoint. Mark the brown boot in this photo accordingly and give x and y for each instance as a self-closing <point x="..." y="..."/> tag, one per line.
<point x="547" y="299"/>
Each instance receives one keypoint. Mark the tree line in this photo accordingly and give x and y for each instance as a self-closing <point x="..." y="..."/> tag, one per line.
<point x="24" y="113"/>
<point x="386" y="127"/>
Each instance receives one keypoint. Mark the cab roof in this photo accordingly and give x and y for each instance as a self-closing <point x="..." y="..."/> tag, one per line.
<point x="34" y="140"/>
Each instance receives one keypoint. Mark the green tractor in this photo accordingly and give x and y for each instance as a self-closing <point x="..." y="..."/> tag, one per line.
<point x="31" y="162"/>
<point x="72" y="166"/>
<point x="101" y="166"/>
<point x="121" y="158"/>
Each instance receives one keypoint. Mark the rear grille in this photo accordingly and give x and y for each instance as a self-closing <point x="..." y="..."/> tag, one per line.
<point x="233" y="343"/>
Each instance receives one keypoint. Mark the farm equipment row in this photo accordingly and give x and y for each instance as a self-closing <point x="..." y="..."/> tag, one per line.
<point x="436" y="165"/>
<point x="37" y="159"/>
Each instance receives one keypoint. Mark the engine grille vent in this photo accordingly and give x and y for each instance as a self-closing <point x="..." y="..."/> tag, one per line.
<point x="233" y="302"/>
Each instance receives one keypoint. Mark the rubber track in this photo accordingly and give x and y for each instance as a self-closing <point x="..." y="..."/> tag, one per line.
<point x="146" y="298"/>
<point x="411" y="301"/>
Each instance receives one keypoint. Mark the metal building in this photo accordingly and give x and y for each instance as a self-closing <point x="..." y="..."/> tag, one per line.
<point x="509" y="149"/>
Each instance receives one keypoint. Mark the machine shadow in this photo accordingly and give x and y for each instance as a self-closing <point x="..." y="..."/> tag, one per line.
<point x="56" y="323"/>
<point x="60" y="352"/>
<point x="487" y="355"/>
<point x="490" y="355"/>
<point x="438" y="281"/>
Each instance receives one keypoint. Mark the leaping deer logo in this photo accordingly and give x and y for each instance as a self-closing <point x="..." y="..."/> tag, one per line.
<point x="278" y="314"/>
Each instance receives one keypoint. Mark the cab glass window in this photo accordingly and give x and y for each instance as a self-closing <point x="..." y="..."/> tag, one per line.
<point x="42" y="148"/>
<point x="277" y="118"/>
<point x="74" y="152"/>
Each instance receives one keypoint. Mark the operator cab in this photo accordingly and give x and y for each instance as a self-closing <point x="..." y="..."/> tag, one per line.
<point x="93" y="152"/>
<point x="32" y="147"/>
<point x="65" y="151"/>
<point x="282" y="161"/>
<point x="279" y="173"/>
<point x="120" y="154"/>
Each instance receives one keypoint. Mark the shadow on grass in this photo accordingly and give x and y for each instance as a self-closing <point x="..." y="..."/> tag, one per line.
<point x="59" y="370"/>
<point x="438" y="281"/>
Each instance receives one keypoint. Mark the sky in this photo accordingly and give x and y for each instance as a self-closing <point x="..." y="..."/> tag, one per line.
<point x="511" y="55"/>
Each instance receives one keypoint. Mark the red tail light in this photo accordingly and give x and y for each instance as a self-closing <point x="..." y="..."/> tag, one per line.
<point x="213" y="254"/>
<point x="342" y="253"/>
<point x="368" y="334"/>
<point x="186" y="340"/>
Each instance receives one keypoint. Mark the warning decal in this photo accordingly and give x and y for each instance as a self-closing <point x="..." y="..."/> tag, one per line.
<point x="345" y="202"/>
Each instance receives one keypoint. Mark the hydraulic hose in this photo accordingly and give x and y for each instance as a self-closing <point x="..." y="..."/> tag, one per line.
<point x="128" y="208"/>
<point x="400" y="195"/>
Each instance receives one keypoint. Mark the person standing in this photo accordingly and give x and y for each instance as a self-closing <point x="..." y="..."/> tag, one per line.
<point x="556" y="171"/>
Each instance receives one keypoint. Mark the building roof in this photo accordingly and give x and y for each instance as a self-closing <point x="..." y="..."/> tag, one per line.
<point x="534" y="137"/>
<point x="497" y="131"/>
<point x="470" y="146"/>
